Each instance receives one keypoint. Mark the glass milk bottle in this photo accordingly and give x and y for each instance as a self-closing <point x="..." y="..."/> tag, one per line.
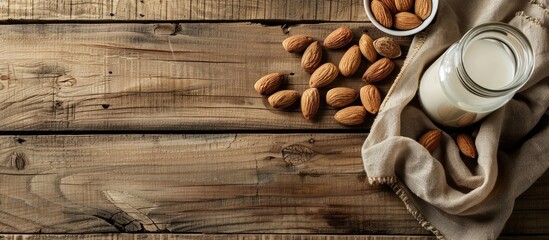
<point x="476" y="75"/>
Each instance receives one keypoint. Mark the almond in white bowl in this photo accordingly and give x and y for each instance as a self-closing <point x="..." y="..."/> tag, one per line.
<point x="412" y="17"/>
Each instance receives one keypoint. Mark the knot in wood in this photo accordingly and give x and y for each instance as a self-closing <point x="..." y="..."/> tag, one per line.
<point x="18" y="160"/>
<point x="296" y="154"/>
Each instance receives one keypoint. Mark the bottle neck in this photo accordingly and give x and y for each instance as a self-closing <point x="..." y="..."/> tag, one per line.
<point x="509" y="41"/>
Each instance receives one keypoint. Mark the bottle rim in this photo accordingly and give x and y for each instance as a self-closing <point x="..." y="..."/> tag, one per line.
<point x="524" y="59"/>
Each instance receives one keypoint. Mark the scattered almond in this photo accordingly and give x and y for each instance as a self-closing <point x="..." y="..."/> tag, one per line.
<point x="390" y="4"/>
<point x="466" y="145"/>
<point x="310" y="102"/>
<point x="350" y="61"/>
<point x="381" y="13"/>
<point x="323" y="75"/>
<point x="341" y="97"/>
<point x="366" y="45"/>
<point x="338" y="38"/>
<point x="387" y="47"/>
<point x="312" y="58"/>
<point x="297" y="43"/>
<point x="269" y="83"/>
<point x="422" y="8"/>
<point x="406" y="21"/>
<point x="404" y="5"/>
<point x="378" y="70"/>
<point x="370" y="98"/>
<point x="351" y="116"/>
<point x="283" y="99"/>
<point x="431" y="139"/>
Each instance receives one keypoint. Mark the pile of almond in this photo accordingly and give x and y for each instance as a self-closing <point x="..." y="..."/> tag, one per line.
<point x="401" y="14"/>
<point x="323" y="74"/>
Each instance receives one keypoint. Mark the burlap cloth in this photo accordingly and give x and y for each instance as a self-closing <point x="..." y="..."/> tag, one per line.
<point x="452" y="197"/>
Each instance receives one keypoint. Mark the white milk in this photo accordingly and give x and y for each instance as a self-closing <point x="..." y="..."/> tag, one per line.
<point x="488" y="63"/>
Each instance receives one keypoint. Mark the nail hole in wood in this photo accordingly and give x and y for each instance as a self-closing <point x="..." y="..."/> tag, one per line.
<point x="110" y="72"/>
<point x="105" y="106"/>
<point x="20" y="140"/>
<point x="142" y="15"/>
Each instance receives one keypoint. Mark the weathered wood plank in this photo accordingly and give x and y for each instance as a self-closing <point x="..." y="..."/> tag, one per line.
<point x="151" y="236"/>
<point x="243" y="10"/>
<point x="213" y="237"/>
<point x="148" y="76"/>
<point x="299" y="183"/>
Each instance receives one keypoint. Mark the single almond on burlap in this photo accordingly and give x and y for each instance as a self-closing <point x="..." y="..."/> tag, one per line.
<point x="366" y="45"/>
<point x="310" y="102"/>
<point x="370" y="98"/>
<point x="351" y="116"/>
<point x="466" y="145"/>
<point x="404" y="5"/>
<point x="297" y="43"/>
<point x="387" y="47"/>
<point x="323" y="75"/>
<point x="312" y="57"/>
<point x="381" y="13"/>
<point x="269" y="83"/>
<point x="338" y="38"/>
<point x="406" y="21"/>
<point x="341" y="97"/>
<point x="350" y="61"/>
<point x="283" y="99"/>
<point x="431" y="140"/>
<point x="379" y="70"/>
<point x="390" y="4"/>
<point x="422" y="8"/>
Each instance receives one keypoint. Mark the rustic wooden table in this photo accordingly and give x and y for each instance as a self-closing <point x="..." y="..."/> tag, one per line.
<point x="139" y="116"/>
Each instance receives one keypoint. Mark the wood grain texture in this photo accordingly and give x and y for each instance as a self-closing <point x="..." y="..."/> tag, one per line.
<point x="292" y="184"/>
<point x="151" y="236"/>
<point x="242" y="10"/>
<point x="195" y="76"/>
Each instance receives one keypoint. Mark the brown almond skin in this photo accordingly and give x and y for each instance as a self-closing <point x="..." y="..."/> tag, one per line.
<point x="338" y="38"/>
<point x="312" y="57"/>
<point x="422" y="8"/>
<point x="370" y="98"/>
<point x="350" y="61"/>
<point x="406" y="21"/>
<point x="466" y="145"/>
<point x="269" y="83"/>
<point x="404" y="5"/>
<point x="379" y="70"/>
<point x="340" y="97"/>
<point x="431" y="140"/>
<point x="310" y="102"/>
<point x="387" y="47"/>
<point x="283" y="98"/>
<point x="390" y="4"/>
<point x="323" y="75"/>
<point x="297" y="43"/>
<point x="351" y="116"/>
<point x="381" y="13"/>
<point x="466" y="119"/>
<point x="366" y="45"/>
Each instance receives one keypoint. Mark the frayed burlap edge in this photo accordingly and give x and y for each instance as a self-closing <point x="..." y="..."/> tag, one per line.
<point x="401" y="193"/>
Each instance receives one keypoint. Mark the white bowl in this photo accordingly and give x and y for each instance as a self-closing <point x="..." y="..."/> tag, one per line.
<point x="394" y="32"/>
